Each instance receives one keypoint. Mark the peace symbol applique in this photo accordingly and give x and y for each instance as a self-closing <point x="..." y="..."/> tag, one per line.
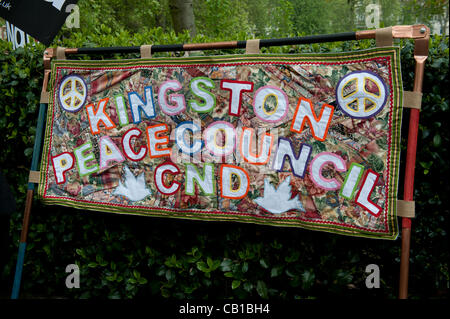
<point x="361" y="94"/>
<point x="72" y="93"/>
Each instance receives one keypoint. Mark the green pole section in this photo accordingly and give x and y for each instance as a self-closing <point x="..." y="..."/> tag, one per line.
<point x="34" y="166"/>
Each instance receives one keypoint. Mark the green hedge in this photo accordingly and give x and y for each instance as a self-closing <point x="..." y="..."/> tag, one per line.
<point x="131" y="257"/>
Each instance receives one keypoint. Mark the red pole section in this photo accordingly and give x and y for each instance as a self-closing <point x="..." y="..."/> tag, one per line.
<point x="411" y="152"/>
<point x="420" y="55"/>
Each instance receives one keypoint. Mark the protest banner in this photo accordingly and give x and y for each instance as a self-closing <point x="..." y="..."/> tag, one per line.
<point x="310" y="141"/>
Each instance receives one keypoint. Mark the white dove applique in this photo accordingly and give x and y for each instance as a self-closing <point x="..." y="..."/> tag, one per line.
<point x="133" y="187"/>
<point x="278" y="201"/>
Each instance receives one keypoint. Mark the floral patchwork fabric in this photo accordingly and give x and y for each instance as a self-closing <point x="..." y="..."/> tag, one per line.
<point x="308" y="141"/>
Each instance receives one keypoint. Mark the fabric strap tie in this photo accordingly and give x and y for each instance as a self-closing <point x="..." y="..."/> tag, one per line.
<point x="406" y="208"/>
<point x="383" y="37"/>
<point x="60" y="53"/>
<point x="412" y="99"/>
<point x="146" y="51"/>
<point x="252" y="46"/>
<point x="34" y="177"/>
<point x="45" y="96"/>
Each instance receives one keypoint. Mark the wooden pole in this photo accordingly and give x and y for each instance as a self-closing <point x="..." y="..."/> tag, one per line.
<point x="420" y="56"/>
<point x="28" y="202"/>
<point x="398" y="32"/>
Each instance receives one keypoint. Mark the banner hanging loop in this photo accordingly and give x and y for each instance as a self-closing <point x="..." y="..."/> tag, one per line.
<point x="252" y="46"/>
<point x="146" y="51"/>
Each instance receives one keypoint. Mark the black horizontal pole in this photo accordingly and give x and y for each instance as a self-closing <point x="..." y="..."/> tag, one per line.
<point x="132" y="49"/>
<point x="347" y="36"/>
<point x="222" y="45"/>
<point x="304" y="40"/>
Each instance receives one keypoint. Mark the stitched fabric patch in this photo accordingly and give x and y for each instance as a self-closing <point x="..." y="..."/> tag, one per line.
<point x="307" y="141"/>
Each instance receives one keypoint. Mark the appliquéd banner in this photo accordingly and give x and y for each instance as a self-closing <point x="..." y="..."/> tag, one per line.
<point x="309" y="141"/>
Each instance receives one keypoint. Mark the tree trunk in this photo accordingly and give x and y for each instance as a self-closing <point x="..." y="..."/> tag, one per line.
<point x="182" y="13"/>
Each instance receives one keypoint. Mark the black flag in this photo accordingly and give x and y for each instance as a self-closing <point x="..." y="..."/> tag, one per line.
<point x="41" y="19"/>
